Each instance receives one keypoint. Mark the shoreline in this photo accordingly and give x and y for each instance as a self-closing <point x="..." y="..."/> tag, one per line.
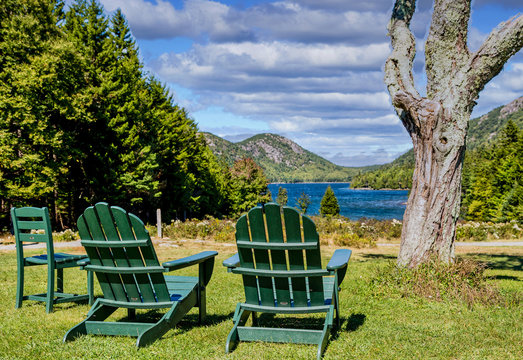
<point x="334" y="182"/>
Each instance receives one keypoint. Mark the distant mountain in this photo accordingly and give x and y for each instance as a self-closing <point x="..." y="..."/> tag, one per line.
<point x="482" y="131"/>
<point x="281" y="159"/>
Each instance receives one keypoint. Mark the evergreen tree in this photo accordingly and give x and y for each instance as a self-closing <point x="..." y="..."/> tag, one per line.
<point x="249" y="186"/>
<point x="303" y="202"/>
<point x="282" y="197"/>
<point x="329" y="203"/>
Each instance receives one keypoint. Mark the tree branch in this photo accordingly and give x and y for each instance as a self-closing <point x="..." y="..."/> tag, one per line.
<point x="398" y="67"/>
<point x="503" y="42"/>
<point x="446" y="50"/>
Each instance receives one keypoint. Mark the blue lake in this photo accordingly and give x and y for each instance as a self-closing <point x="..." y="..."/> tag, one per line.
<point x="354" y="204"/>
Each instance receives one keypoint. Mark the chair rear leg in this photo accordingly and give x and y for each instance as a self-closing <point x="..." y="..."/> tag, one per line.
<point x="59" y="280"/>
<point x="50" y="289"/>
<point x="19" y="286"/>
<point x="97" y="313"/>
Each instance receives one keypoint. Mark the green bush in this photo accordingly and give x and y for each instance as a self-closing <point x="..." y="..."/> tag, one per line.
<point x="464" y="280"/>
<point x="66" y="235"/>
<point x="329" y="203"/>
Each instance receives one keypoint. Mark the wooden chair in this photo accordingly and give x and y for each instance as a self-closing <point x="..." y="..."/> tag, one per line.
<point x="130" y="276"/>
<point x="279" y="260"/>
<point x="32" y="224"/>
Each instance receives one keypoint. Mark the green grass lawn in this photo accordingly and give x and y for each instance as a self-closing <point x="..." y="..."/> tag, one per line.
<point x="373" y="326"/>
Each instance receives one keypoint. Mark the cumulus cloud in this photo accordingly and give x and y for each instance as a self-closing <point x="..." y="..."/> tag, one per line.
<point x="311" y="70"/>
<point x="504" y="88"/>
<point x="197" y="19"/>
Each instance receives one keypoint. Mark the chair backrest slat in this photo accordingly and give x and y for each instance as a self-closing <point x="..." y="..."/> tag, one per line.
<point x="296" y="262"/>
<point x="95" y="258"/>
<point x="31" y="224"/>
<point x="104" y="254"/>
<point x="247" y="260"/>
<point x="135" y="258"/>
<point x="263" y="228"/>
<point x="105" y="216"/>
<point x="261" y="256"/>
<point x="279" y="260"/>
<point x="104" y="223"/>
<point x="150" y="259"/>
<point x="313" y="257"/>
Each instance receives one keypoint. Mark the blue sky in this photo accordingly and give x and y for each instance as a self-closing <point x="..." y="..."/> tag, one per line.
<point x="310" y="70"/>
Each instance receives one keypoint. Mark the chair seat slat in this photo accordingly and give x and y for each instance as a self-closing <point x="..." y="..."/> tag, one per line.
<point x="125" y="269"/>
<point x="281" y="273"/>
<point x="277" y="246"/>
<point x="115" y="244"/>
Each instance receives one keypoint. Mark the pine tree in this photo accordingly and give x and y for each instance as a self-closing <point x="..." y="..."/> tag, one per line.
<point x="303" y="202"/>
<point x="329" y="203"/>
<point x="282" y="197"/>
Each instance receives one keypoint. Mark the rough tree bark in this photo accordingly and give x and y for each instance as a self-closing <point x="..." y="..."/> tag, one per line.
<point x="438" y="122"/>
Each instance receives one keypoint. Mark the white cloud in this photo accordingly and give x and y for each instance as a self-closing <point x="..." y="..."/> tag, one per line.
<point x="308" y="69"/>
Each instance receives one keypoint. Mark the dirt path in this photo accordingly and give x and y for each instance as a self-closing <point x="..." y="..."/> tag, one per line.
<point x="72" y="244"/>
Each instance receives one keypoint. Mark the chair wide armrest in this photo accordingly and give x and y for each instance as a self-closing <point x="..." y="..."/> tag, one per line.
<point x="339" y="259"/>
<point x="232" y="262"/>
<point x="83" y="263"/>
<point x="189" y="260"/>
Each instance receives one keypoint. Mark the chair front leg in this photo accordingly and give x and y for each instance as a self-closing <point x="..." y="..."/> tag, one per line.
<point x="50" y="288"/>
<point x="202" y="301"/>
<point x="20" y="285"/>
<point x="60" y="280"/>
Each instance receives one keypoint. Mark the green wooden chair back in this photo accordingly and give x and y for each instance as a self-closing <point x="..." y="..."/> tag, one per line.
<point x="279" y="239"/>
<point x="31" y="224"/>
<point x="122" y="255"/>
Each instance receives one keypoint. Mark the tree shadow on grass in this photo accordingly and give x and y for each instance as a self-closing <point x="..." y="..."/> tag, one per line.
<point x="379" y="256"/>
<point x="188" y="322"/>
<point x="500" y="261"/>
<point x="504" y="277"/>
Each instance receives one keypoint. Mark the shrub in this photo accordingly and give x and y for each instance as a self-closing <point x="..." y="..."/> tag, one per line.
<point x="463" y="280"/>
<point x="303" y="202"/>
<point x="66" y="235"/>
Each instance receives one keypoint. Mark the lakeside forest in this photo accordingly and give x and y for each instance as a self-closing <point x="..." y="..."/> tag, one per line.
<point x="81" y="122"/>
<point x="492" y="169"/>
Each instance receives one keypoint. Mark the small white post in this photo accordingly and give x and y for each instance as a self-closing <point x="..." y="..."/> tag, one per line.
<point x="159" y="222"/>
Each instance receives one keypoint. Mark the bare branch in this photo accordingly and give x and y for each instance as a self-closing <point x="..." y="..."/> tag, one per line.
<point x="503" y="42"/>
<point x="398" y="68"/>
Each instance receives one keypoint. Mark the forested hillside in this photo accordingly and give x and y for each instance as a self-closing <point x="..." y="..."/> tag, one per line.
<point x="482" y="132"/>
<point x="492" y="168"/>
<point x="81" y="122"/>
<point x="281" y="159"/>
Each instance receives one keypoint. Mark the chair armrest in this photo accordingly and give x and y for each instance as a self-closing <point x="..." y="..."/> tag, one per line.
<point x="83" y="263"/>
<point x="232" y="262"/>
<point x="339" y="259"/>
<point x="189" y="260"/>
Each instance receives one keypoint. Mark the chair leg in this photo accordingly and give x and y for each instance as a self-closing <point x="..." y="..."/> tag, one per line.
<point x="97" y="313"/>
<point x="202" y="304"/>
<point x="50" y="289"/>
<point x="326" y="333"/>
<point x="90" y="287"/>
<point x="19" y="286"/>
<point x="167" y="322"/>
<point x="131" y="314"/>
<point x="59" y="280"/>
<point x="240" y="318"/>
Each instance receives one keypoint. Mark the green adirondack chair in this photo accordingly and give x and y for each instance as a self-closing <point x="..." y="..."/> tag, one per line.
<point x="31" y="224"/>
<point x="279" y="260"/>
<point x="124" y="260"/>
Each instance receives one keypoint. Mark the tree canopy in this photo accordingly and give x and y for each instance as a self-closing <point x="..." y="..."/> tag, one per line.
<point x="81" y="121"/>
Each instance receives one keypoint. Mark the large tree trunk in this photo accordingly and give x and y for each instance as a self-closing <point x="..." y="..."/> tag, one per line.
<point x="434" y="202"/>
<point x="438" y="122"/>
